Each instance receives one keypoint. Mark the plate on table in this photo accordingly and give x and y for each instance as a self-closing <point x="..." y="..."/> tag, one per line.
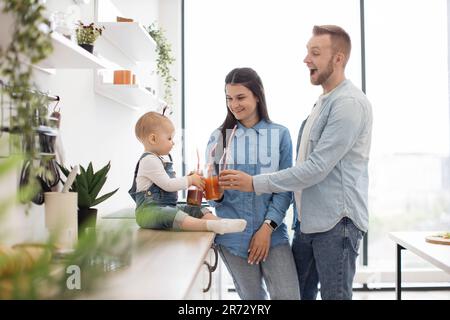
<point x="441" y="238"/>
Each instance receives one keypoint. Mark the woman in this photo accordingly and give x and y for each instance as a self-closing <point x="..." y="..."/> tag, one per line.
<point x="260" y="257"/>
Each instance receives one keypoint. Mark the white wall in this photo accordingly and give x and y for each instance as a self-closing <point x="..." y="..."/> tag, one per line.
<point x="93" y="128"/>
<point x="170" y="21"/>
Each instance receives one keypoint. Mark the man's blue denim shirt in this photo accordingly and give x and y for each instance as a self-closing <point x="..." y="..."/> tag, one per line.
<point x="264" y="148"/>
<point x="334" y="178"/>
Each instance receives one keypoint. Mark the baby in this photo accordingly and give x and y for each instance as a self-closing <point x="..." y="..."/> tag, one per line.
<point x="155" y="186"/>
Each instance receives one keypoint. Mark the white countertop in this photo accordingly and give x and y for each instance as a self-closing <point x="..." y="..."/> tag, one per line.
<point x="163" y="265"/>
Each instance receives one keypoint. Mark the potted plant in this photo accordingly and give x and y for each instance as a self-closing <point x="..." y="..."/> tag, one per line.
<point x="87" y="34"/>
<point x="28" y="42"/>
<point x="88" y="185"/>
<point x="164" y="61"/>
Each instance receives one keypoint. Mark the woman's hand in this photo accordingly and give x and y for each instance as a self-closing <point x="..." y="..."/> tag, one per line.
<point x="196" y="180"/>
<point x="260" y="244"/>
<point x="236" y="180"/>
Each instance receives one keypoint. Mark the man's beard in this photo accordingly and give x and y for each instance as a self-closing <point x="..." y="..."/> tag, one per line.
<point x="323" y="77"/>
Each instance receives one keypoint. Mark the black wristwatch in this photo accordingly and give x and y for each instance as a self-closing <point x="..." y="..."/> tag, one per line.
<point x="272" y="224"/>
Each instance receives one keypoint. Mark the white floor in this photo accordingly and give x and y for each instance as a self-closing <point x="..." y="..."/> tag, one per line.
<point x="406" y="295"/>
<point x="227" y="283"/>
<point x="380" y="295"/>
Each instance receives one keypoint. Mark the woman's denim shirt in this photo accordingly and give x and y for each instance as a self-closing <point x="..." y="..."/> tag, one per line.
<point x="264" y="148"/>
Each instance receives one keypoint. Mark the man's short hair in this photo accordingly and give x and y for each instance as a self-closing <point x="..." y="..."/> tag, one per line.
<point x="148" y="123"/>
<point x="340" y="40"/>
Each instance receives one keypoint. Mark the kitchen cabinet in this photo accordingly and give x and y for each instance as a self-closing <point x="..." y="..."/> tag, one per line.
<point x="206" y="285"/>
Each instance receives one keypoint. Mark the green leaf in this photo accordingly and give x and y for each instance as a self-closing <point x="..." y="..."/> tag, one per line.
<point x="99" y="176"/>
<point x="95" y="189"/>
<point x="89" y="184"/>
<point x="104" y="197"/>
<point x="164" y="59"/>
<point x="8" y="164"/>
<point x="82" y="180"/>
<point x="84" y="199"/>
<point x="82" y="171"/>
<point x="63" y="169"/>
<point x="90" y="173"/>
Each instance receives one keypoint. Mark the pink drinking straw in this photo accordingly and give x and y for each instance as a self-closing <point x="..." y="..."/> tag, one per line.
<point x="212" y="151"/>
<point x="210" y="160"/>
<point x="228" y="147"/>
<point x="221" y="161"/>
<point x="198" y="162"/>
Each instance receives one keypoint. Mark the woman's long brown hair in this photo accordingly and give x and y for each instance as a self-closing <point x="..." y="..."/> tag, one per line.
<point x="251" y="80"/>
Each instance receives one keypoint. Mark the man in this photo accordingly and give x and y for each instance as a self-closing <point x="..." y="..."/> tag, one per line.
<point x="330" y="178"/>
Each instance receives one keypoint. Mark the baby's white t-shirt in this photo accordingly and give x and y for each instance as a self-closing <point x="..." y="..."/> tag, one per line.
<point x="151" y="170"/>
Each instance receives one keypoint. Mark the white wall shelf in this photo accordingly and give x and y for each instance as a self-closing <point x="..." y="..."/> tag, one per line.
<point x="132" y="95"/>
<point x="68" y="55"/>
<point x="131" y="39"/>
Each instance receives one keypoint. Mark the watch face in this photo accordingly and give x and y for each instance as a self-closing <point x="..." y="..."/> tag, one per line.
<point x="273" y="224"/>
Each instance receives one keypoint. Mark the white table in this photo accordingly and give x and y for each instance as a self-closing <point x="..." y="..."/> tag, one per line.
<point x="436" y="254"/>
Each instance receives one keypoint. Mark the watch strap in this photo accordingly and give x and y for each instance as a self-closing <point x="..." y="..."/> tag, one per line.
<point x="272" y="224"/>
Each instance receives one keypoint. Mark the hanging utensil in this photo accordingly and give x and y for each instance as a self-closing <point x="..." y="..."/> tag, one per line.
<point x="70" y="179"/>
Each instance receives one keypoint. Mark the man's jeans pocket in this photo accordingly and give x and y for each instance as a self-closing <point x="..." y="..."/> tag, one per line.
<point x="353" y="236"/>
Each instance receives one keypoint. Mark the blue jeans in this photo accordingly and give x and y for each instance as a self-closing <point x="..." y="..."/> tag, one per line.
<point x="327" y="258"/>
<point x="152" y="216"/>
<point x="278" y="272"/>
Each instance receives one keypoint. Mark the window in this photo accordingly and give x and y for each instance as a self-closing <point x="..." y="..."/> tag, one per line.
<point x="268" y="36"/>
<point x="407" y="83"/>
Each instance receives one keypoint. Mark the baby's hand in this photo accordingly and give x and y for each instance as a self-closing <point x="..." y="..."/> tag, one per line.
<point x="195" y="172"/>
<point x="196" y="180"/>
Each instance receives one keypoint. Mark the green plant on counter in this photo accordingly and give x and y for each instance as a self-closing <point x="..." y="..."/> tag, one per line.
<point x="30" y="43"/>
<point x="164" y="60"/>
<point x="41" y="271"/>
<point x="88" y="185"/>
<point x="88" y="33"/>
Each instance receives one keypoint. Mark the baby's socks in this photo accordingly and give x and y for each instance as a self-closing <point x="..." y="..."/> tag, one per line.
<point x="226" y="225"/>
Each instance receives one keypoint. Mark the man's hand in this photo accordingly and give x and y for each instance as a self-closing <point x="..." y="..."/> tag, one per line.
<point x="260" y="245"/>
<point x="236" y="180"/>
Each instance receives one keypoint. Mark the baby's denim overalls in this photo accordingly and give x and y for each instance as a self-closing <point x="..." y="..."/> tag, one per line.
<point x="157" y="208"/>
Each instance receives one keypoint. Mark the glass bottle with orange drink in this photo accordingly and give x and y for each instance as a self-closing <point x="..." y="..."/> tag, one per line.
<point x="212" y="190"/>
<point x="194" y="195"/>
